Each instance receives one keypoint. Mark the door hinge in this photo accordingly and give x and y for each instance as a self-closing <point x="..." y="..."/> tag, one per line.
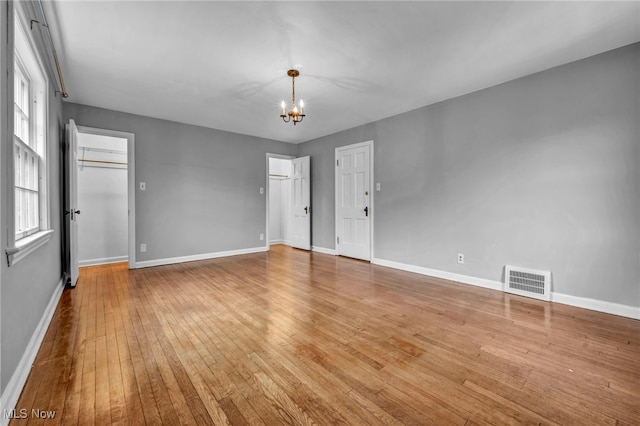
<point x="337" y="162"/>
<point x="338" y="240"/>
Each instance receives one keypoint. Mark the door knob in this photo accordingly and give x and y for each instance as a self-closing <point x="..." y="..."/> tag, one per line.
<point x="366" y="211"/>
<point x="306" y="210"/>
<point x="77" y="212"/>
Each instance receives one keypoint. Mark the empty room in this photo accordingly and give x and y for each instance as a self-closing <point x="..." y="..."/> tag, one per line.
<point x="320" y="212"/>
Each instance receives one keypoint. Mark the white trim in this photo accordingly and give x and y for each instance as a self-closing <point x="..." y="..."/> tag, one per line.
<point x="103" y="261"/>
<point x="597" y="305"/>
<point x="27" y="245"/>
<point x="131" y="182"/>
<point x="16" y="383"/>
<point x="464" y="279"/>
<point x="205" y="256"/>
<point x="565" y="299"/>
<point x="372" y="210"/>
<point x="324" y="250"/>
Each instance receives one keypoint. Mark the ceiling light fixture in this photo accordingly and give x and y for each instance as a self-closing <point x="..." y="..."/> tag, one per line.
<point x="293" y="114"/>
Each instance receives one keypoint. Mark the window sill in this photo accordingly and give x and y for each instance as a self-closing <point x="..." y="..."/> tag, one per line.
<point x="27" y="245"/>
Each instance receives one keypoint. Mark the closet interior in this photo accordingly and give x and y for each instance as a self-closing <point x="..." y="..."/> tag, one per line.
<point x="102" y="199"/>
<point x="279" y="200"/>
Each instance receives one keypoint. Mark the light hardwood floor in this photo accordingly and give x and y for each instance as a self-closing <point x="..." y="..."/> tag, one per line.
<point x="290" y="337"/>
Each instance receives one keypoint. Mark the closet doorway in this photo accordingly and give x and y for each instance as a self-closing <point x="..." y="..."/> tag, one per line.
<point x="279" y="199"/>
<point x="103" y="187"/>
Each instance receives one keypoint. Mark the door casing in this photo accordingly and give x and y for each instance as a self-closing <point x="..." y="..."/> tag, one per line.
<point x="131" y="184"/>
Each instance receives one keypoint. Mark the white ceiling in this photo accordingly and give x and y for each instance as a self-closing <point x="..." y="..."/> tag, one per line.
<point x="223" y="64"/>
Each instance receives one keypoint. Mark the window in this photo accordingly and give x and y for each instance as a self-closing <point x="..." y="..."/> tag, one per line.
<point x="29" y="160"/>
<point x="27" y="157"/>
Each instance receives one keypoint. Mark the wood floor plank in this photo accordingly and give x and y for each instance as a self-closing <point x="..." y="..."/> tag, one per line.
<point x="103" y="398"/>
<point x="292" y="337"/>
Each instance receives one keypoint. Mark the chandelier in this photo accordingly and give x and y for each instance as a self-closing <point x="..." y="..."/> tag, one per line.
<point x="294" y="114"/>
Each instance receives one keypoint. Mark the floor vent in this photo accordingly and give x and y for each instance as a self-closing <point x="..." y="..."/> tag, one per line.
<point x="527" y="282"/>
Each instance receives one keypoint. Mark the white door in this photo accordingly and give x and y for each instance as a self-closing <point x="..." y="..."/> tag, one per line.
<point x="301" y="203"/>
<point x="353" y="201"/>
<point x="71" y="209"/>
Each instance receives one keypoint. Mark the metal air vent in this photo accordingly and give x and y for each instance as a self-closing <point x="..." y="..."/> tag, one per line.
<point x="527" y="282"/>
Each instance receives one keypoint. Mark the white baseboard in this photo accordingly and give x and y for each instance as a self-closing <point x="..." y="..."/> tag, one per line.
<point x="284" y="242"/>
<point x="465" y="279"/>
<point x="205" y="256"/>
<point x="324" y="250"/>
<point x="565" y="299"/>
<point x="16" y="383"/>
<point x="597" y="305"/>
<point x="103" y="261"/>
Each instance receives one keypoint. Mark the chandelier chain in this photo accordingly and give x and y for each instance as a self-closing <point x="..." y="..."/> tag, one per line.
<point x="293" y="92"/>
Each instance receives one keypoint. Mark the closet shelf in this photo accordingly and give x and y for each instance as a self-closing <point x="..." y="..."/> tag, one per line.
<point x="103" y="150"/>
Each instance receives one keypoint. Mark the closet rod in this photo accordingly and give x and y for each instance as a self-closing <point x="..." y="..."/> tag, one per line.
<point x="103" y="162"/>
<point x="275" y="175"/>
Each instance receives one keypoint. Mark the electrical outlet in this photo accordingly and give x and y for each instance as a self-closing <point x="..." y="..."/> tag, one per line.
<point x="261" y="237"/>
<point x="460" y="258"/>
<point x="143" y="248"/>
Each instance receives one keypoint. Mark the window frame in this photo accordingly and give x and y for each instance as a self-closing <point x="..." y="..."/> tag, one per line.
<point x="27" y="57"/>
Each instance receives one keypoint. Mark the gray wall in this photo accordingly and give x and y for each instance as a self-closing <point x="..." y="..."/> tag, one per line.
<point x="540" y="172"/>
<point x="27" y="287"/>
<point x="202" y="184"/>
